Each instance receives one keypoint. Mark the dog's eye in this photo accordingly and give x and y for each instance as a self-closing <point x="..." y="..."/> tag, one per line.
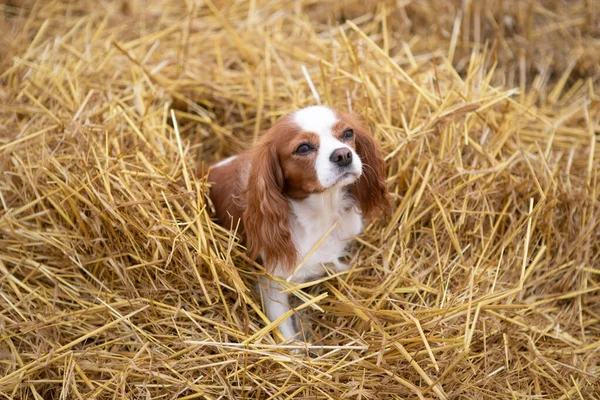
<point x="304" y="148"/>
<point x="348" y="134"/>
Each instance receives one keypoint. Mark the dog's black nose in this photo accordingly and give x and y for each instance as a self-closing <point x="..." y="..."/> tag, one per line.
<point x="342" y="157"/>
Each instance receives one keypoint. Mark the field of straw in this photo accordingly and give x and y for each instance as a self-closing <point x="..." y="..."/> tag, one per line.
<point x="483" y="284"/>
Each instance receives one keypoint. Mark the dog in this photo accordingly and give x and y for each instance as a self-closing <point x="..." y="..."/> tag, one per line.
<point x="314" y="178"/>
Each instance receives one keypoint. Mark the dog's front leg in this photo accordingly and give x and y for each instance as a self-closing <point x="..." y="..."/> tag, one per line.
<point x="277" y="304"/>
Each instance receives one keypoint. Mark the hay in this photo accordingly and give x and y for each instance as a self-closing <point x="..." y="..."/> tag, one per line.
<point x="114" y="282"/>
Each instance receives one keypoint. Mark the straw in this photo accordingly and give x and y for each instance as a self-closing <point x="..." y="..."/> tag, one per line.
<point x="484" y="282"/>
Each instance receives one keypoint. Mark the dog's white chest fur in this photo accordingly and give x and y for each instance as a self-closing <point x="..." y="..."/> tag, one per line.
<point x="311" y="219"/>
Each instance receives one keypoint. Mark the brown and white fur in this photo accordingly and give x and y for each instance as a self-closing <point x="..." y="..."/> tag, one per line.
<point x="314" y="168"/>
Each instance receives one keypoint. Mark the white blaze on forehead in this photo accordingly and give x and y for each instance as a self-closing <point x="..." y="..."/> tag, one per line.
<point x="317" y="119"/>
<point x="320" y="120"/>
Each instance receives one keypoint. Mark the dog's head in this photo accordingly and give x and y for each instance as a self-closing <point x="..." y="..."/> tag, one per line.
<point x="310" y="151"/>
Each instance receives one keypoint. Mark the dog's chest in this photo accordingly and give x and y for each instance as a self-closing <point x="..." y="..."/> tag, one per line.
<point x="332" y="221"/>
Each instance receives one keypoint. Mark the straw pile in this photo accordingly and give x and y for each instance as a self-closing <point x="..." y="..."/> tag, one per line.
<point x="114" y="282"/>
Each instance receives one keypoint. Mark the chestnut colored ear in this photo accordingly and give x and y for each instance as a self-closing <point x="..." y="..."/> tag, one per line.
<point x="370" y="189"/>
<point x="266" y="217"/>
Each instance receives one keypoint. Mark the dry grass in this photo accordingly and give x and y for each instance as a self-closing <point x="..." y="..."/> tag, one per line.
<point x="114" y="282"/>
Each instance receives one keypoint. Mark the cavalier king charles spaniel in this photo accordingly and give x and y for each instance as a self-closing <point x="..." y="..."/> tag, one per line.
<point x="306" y="188"/>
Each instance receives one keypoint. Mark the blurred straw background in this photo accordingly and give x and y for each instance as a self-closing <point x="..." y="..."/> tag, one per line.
<point x="484" y="284"/>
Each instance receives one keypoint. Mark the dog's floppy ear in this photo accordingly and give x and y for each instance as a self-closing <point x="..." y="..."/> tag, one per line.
<point x="370" y="190"/>
<point x="266" y="217"/>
